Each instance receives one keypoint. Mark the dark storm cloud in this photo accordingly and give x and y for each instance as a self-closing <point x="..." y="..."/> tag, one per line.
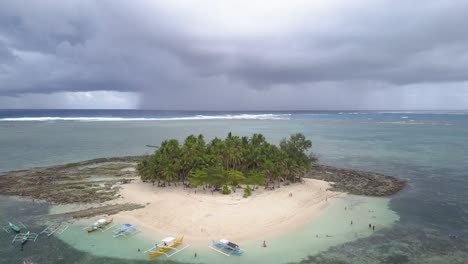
<point x="162" y="53"/>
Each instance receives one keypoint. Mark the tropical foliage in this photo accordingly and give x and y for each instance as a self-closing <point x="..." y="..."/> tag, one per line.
<point x="229" y="162"/>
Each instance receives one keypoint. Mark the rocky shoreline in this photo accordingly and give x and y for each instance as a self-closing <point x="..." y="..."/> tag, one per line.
<point x="99" y="210"/>
<point x="90" y="181"/>
<point x="357" y="182"/>
<point x="98" y="180"/>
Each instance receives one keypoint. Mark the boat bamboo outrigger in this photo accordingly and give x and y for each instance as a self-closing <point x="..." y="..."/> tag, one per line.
<point x="8" y="228"/>
<point x="55" y="228"/>
<point x="126" y="230"/>
<point x="226" y="247"/>
<point x="165" y="245"/>
<point x="24" y="237"/>
<point x="102" y="224"/>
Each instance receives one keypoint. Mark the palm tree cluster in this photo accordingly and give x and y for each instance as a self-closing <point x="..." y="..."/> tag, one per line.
<point x="232" y="161"/>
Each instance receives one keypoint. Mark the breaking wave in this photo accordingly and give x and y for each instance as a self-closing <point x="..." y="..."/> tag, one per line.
<point x="196" y="117"/>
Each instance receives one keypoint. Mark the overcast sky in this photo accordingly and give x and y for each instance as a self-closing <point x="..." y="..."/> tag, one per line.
<point x="239" y="55"/>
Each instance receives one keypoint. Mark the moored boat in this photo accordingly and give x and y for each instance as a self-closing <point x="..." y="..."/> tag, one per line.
<point x="25" y="238"/>
<point x="99" y="224"/>
<point x="55" y="228"/>
<point x="14" y="227"/>
<point x="165" y="245"/>
<point x="126" y="230"/>
<point x="226" y="247"/>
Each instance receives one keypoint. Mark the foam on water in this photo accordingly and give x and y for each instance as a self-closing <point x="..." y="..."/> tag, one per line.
<point x="184" y="118"/>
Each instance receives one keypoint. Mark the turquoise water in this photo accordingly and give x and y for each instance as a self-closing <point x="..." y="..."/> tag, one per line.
<point x="430" y="150"/>
<point x="331" y="227"/>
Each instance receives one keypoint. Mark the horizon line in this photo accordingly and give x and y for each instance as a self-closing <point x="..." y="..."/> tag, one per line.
<point x="230" y="110"/>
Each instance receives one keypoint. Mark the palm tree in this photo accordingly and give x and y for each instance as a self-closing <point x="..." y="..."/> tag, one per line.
<point x="235" y="178"/>
<point x="199" y="177"/>
<point x="256" y="178"/>
<point x="226" y="162"/>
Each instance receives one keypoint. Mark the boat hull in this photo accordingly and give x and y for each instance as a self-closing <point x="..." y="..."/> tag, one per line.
<point x="25" y="238"/>
<point x="163" y="250"/>
<point x="14" y="227"/>
<point x="92" y="229"/>
<point x="226" y="249"/>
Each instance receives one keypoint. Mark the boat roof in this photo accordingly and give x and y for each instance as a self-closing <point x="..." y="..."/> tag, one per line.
<point x="232" y="245"/>
<point x="168" y="239"/>
<point x="101" y="221"/>
<point x="224" y="241"/>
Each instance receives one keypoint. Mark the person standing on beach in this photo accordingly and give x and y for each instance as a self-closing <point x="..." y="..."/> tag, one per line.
<point x="370" y="226"/>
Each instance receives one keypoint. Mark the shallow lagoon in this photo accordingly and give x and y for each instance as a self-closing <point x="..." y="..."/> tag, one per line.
<point x="332" y="227"/>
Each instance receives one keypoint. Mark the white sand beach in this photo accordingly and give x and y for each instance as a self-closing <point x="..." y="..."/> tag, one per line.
<point x="203" y="216"/>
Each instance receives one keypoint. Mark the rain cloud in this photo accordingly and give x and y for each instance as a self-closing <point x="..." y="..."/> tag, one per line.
<point x="236" y="55"/>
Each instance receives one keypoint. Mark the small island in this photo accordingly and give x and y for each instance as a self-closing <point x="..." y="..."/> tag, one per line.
<point x="225" y="165"/>
<point x="253" y="187"/>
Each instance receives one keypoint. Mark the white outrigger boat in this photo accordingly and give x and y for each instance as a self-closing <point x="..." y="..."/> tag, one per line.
<point x="55" y="228"/>
<point x="165" y="245"/>
<point x="126" y="230"/>
<point x="102" y="224"/>
<point x="226" y="247"/>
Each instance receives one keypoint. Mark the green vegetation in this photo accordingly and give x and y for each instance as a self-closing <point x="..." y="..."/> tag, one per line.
<point x="226" y="190"/>
<point x="247" y="191"/>
<point x="229" y="162"/>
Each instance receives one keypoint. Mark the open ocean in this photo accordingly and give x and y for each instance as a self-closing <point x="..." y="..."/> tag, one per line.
<point x="429" y="149"/>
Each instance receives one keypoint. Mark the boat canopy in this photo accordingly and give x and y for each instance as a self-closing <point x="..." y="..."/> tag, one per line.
<point x="232" y="245"/>
<point x="224" y="241"/>
<point x="101" y="221"/>
<point x="168" y="239"/>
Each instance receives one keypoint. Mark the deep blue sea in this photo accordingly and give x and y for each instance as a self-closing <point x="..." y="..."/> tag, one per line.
<point x="429" y="149"/>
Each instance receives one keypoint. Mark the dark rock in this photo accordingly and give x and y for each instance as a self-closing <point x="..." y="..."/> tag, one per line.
<point x="356" y="181"/>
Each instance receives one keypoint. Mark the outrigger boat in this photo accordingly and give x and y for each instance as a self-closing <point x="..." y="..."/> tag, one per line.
<point x="100" y="224"/>
<point x="25" y="237"/>
<point x="55" y="228"/>
<point x="126" y="230"/>
<point x="226" y="247"/>
<point x="13" y="227"/>
<point x="165" y="245"/>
